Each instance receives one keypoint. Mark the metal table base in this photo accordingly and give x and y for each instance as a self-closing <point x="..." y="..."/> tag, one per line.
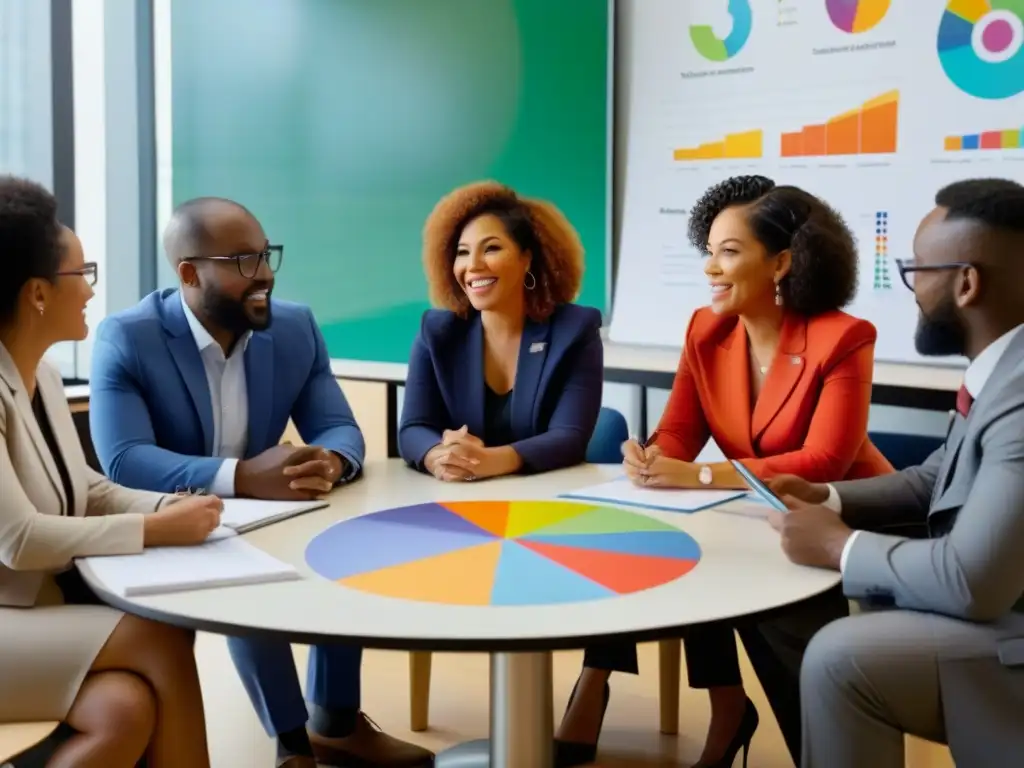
<point x="522" y="717"/>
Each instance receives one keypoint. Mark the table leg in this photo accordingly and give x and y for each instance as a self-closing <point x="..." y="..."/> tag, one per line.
<point x="521" y="717"/>
<point x="392" y="419"/>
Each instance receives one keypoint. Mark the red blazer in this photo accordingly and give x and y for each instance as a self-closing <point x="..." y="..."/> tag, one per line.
<point x="811" y="416"/>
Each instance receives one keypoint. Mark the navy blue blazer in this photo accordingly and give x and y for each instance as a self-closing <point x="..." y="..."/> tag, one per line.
<point x="149" y="401"/>
<point x="555" y="401"/>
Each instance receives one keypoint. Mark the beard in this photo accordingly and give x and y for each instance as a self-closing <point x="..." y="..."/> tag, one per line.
<point x="941" y="332"/>
<point x="234" y="315"/>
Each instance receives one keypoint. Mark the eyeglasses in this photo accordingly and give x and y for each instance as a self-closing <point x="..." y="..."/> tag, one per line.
<point x="90" y="271"/>
<point x="907" y="269"/>
<point x="249" y="263"/>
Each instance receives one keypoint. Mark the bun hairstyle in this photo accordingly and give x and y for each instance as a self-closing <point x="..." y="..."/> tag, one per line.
<point x="823" y="276"/>
<point x="29" y="239"/>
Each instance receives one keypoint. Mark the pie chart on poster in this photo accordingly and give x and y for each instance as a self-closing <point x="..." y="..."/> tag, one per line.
<point x="502" y="553"/>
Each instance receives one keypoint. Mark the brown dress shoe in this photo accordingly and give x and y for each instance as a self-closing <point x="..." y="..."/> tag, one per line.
<point x="368" y="747"/>
<point x="297" y="761"/>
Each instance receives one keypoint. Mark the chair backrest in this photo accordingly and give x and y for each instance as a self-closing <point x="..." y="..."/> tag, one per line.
<point x="611" y="432"/>
<point x="903" y="450"/>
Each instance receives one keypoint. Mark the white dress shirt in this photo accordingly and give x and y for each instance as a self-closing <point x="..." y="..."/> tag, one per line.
<point x="229" y="400"/>
<point x="975" y="378"/>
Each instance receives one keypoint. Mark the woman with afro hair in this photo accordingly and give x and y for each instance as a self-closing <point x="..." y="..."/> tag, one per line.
<point x="506" y="376"/>
<point x="781" y="379"/>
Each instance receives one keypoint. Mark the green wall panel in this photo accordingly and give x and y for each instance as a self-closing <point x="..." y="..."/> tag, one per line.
<point x="341" y="122"/>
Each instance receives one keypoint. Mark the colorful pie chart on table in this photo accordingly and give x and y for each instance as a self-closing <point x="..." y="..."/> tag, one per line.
<point x="502" y="553"/>
<point x="856" y="16"/>
<point x="981" y="47"/>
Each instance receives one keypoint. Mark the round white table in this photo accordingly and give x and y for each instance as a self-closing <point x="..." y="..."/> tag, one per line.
<point x="742" y="572"/>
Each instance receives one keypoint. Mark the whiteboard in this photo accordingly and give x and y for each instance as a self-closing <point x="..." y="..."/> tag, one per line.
<point x="714" y="91"/>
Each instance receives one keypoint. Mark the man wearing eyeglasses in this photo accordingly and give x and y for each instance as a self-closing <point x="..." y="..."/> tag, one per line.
<point x="944" y="658"/>
<point x="191" y="390"/>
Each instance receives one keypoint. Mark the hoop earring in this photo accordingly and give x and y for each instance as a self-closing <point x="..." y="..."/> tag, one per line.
<point x="778" y="294"/>
<point x="530" y="282"/>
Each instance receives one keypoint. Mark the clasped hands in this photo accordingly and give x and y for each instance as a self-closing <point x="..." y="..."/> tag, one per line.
<point x="461" y="457"/>
<point x="290" y="473"/>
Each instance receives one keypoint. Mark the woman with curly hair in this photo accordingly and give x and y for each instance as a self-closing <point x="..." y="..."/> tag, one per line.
<point x="781" y="379"/>
<point x="507" y="376"/>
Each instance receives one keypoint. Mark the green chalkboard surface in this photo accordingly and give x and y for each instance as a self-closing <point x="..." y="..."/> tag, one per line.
<point x="340" y="123"/>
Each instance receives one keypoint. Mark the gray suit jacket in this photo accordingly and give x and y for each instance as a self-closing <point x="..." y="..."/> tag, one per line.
<point x="970" y="495"/>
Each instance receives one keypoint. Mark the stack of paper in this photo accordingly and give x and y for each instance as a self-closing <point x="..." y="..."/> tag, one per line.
<point x="623" y="492"/>
<point x="160" y="570"/>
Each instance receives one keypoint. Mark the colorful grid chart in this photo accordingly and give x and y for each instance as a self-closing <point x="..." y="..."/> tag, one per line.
<point x="882" y="280"/>
<point x="1006" y="139"/>
<point x="735" y="146"/>
<point x="502" y="553"/>
<point x="868" y="129"/>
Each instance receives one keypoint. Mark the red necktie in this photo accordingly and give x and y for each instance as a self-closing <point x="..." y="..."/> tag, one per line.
<point x="964" y="401"/>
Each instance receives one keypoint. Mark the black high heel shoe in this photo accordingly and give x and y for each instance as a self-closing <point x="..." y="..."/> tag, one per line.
<point x="744" y="735"/>
<point x="571" y="753"/>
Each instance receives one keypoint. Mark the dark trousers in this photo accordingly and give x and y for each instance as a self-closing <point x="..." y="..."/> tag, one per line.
<point x="775" y="647"/>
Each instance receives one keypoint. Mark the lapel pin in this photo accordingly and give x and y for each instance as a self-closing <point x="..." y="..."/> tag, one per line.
<point x="537" y="346"/>
<point x="794" y="360"/>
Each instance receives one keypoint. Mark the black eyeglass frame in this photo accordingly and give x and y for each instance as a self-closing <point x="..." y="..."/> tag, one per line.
<point x="90" y="270"/>
<point x="906" y="267"/>
<point x="265" y="256"/>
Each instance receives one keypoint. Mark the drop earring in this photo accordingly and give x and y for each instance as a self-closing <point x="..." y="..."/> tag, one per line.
<point x="41" y="308"/>
<point x="778" y="294"/>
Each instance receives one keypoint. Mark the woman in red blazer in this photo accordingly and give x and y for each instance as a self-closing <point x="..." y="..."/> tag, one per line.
<point x="781" y="379"/>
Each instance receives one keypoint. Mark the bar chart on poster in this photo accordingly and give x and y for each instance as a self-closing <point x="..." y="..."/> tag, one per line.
<point x="873" y="105"/>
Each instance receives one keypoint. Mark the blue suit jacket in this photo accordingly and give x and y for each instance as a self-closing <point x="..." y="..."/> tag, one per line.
<point x="555" y="401"/>
<point x="149" y="401"/>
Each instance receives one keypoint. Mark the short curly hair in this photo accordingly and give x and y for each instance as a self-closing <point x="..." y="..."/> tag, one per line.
<point x="30" y="239"/>
<point x="535" y="225"/>
<point x="823" y="276"/>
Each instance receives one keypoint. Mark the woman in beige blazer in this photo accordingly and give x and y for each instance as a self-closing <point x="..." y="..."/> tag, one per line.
<point x="127" y="686"/>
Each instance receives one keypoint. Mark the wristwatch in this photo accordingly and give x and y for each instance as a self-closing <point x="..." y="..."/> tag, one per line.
<point x="704" y="476"/>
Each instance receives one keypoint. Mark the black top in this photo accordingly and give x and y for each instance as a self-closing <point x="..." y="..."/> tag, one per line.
<point x="497" y="417"/>
<point x="70" y="582"/>
<point x="58" y="458"/>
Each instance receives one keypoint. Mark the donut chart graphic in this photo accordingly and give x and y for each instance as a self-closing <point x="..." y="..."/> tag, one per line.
<point x="980" y="47"/>
<point x="856" y="16"/>
<point x="502" y="553"/>
<point x="714" y="48"/>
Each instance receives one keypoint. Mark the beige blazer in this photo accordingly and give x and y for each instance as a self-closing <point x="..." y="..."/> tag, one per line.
<point x="46" y="648"/>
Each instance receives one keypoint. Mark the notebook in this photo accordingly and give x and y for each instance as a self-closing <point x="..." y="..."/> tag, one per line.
<point x="223" y="562"/>
<point x="244" y="515"/>
<point x="622" y="491"/>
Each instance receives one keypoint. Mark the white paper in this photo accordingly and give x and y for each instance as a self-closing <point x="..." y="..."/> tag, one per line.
<point x="622" y="491"/>
<point x="218" y="563"/>
<point x="248" y="514"/>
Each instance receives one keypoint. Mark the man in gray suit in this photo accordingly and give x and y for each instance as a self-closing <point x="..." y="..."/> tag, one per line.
<point x="946" y="660"/>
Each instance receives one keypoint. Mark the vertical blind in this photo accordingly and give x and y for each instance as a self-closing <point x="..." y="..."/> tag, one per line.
<point x="26" y="112"/>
